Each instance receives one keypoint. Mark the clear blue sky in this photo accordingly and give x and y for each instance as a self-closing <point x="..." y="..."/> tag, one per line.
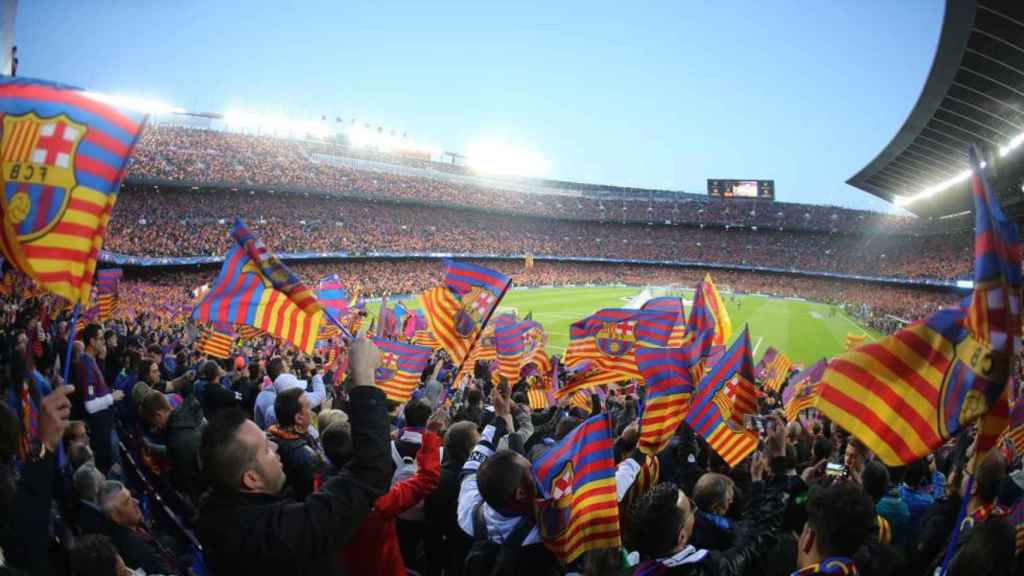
<point x="655" y="94"/>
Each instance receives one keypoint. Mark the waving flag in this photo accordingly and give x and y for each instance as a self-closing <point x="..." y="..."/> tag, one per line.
<point x="215" y="342"/>
<point x="247" y="332"/>
<point x="906" y="394"/>
<point x="260" y="293"/>
<point x="802" y="392"/>
<point x="107" y="282"/>
<point x="401" y="366"/>
<point x="674" y="305"/>
<point x="724" y="397"/>
<point x="608" y="340"/>
<point x="1016" y="430"/>
<point x="716" y="307"/>
<point x="701" y="324"/>
<point x="510" y="345"/>
<point x="773" y="369"/>
<point x="458" y="311"/>
<point x="333" y="296"/>
<point x="669" y="384"/>
<point x="425" y="338"/>
<point x="87" y="317"/>
<point x="576" y="479"/>
<point x="64" y="154"/>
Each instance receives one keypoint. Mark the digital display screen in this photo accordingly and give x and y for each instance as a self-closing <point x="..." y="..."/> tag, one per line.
<point x="763" y="189"/>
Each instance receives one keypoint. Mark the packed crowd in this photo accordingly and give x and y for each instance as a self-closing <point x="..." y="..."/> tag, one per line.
<point x="154" y="459"/>
<point x="164" y="222"/>
<point x="170" y="293"/>
<point x="206" y="158"/>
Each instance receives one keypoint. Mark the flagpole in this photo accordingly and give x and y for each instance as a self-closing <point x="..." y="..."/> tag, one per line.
<point x="956" y="529"/>
<point x="71" y="339"/>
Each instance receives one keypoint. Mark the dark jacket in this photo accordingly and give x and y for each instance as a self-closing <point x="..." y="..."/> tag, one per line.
<point x="712" y="532"/>
<point x="216" y="397"/>
<point x="256" y="534"/>
<point x="91" y="519"/>
<point x="440" y="508"/>
<point x="140" y="550"/>
<point x="184" y="428"/>
<point x="301" y="459"/>
<point x="25" y="522"/>
<point x="767" y="502"/>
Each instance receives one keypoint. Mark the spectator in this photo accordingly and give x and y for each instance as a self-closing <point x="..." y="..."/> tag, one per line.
<point x="95" y="555"/>
<point x="180" y="430"/>
<point x="244" y="524"/>
<point x="888" y="503"/>
<point x="128" y="532"/>
<point x="839" y="521"/>
<point x="713" y="496"/>
<point x="97" y="398"/>
<point x="300" y="453"/>
<point x="441" y="505"/>
<point x="87" y="481"/>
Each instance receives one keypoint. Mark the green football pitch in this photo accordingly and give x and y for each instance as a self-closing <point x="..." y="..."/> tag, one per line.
<point x="805" y="331"/>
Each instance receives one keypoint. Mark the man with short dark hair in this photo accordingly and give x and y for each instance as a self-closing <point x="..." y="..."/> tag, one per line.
<point x="179" y="429"/>
<point x="662" y="522"/>
<point x="247" y="527"/>
<point x="128" y="532"/>
<point x="497" y="492"/>
<point x="300" y="453"/>
<point x="441" y="506"/>
<point x="95" y="555"/>
<point x="840" y="519"/>
<point x="212" y="394"/>
<point x="97" y="397"/>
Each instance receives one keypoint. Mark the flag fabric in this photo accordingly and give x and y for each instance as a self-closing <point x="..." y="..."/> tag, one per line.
<point x="87" y="317"/>
<point x="773" y="369"/>
<point x="540" y="398"/>
<point x="716" y="307"/>
<point x="328" y="330"/>
<point x="701" y="325"/>
<point x="669" y="386"/>
<point x="215" y="342"/>
<point x="802" y="392"/>
<point x="854" y="340"/>
<point x="672" y="304"/>
<point x="724" y="397"/>
<point x="107" y="280"/>
<point x="608" y="339"/>
<point x="425" y="338"/>
<point x="1015" y="517"/>
<point x="278" y="303"/>
<point x="332" y="296"/>
<point x="459" y="310"/>
<point x="246" y="332"/>
<point x="1016" y="430"/>
<point x="108" y="306"/>
<point x="906" y="394"/>
<point x="510" y="345"/>
<point x="64" y="155"/>
<point x="401" y="366"/>
<point x="576" y="480"/>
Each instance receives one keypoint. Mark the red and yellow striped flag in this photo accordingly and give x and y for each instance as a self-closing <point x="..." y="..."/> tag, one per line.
<point x="64" y="154"/>
<point x="215" y="343"/>
<point x="773" y="369"/>
<point x="458" y="311"/>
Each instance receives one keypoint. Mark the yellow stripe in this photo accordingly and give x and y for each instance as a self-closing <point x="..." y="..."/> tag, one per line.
<point x="854" y="425"/>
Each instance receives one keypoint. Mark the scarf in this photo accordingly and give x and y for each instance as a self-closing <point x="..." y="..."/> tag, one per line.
<point x="688" y="555"/>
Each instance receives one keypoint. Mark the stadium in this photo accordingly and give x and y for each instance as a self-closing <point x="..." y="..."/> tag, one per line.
<point x="238" y="249"/>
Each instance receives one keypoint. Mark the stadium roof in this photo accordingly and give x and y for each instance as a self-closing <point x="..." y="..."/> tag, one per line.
<point x="974" y="94"/>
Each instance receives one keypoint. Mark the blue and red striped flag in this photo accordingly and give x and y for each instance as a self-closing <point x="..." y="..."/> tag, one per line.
<point x="333" y="296"/>
<point x="401" y="366"/>
<point x="669" y="377"/>
<point x="107" y="280"/>
<point x="608" y="339"/>
<point x="907" y="394"/>
<point x="674" y="305"/>
<point x="64" y="154"/>
<point x="460" y="309"/>
<point x="243" y="294"/>
<point x="510" y="345"/>
<point x="576" y="479"/>
<point x="724" y="397"/>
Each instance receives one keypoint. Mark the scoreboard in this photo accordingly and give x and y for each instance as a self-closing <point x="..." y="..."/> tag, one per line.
<point x="763" y="189"/>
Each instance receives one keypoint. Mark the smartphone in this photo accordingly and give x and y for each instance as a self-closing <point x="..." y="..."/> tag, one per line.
<point x="832" y="470"/>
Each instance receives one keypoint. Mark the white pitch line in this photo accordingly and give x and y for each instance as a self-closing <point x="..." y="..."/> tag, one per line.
<point x="756" y="346"/>
<point x="857" y="326"/>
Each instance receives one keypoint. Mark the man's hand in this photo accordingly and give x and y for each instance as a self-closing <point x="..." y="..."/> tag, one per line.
<point x="775" y="443"/>
<point x="438" y="422"/>
<point x="364" y="359"/>
<point x="758" y="467"/>
<point x="118" y="395"/>
<point x="54" y="411"/>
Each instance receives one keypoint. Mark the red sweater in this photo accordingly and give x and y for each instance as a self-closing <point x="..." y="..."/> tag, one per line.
<point x="374" y="549"/>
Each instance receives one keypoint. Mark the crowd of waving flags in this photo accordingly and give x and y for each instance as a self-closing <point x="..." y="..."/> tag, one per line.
<point x="904" y="395"/>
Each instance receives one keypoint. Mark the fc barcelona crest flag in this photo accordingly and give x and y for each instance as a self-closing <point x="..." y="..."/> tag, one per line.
<point x="459" y="310"/>
<point x="63" y="154"/>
